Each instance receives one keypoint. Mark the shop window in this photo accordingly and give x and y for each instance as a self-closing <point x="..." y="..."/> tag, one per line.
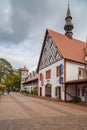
<point x="48" y="74"/>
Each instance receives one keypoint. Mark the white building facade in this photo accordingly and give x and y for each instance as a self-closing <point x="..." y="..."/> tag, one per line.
<point x="66" y="78"/>
<point x="29" y="80"/>
<point x="62" y="65"/>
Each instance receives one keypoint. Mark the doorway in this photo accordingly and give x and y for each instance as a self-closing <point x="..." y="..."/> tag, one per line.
<point x="58" y="92"/>
<point x="48" y="90"/>
<point x="40" y="91"/>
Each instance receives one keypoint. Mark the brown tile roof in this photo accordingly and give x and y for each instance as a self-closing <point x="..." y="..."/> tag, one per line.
<point x="71" y="49"/>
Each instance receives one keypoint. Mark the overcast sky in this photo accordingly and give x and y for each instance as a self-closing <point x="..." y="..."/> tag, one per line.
<point x="23" y="24"/>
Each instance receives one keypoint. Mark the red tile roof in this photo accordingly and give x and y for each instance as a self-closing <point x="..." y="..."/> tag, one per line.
<point x="71" y="49"/>
<point x="24" y="69"/>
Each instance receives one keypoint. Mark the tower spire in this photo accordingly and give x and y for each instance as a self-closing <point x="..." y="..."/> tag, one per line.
<point x="68" y="26"/>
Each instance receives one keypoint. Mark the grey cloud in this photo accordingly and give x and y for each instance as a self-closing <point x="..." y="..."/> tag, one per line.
<point x="26" y="16"/>
<point x="29" y="17"/>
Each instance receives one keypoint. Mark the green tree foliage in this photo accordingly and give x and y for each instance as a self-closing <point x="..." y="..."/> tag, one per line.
<point x="5" y="68"/>
<point x="9" y="76"/>
<point x="16" y="79"/>
<point x="13" y="80"/>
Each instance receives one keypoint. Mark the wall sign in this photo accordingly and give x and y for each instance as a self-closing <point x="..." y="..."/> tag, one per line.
<point x="61" y="80"/>
<point x="61" y="69"/>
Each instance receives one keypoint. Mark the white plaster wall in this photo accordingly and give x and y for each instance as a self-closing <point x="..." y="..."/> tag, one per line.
<point x="53" y="80"/>
<point x="72" y="70"/>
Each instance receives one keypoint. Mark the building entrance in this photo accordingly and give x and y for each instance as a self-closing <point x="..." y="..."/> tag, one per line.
<point x="48" y="90"/>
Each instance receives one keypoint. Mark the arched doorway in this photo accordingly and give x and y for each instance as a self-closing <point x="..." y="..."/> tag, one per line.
<point x="48" y="90"/>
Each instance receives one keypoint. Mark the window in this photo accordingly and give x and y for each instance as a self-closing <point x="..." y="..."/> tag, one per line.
<point x="78" y="91"/>
<point x="56" y="91"/>
<point x="82" y="72"/>
<point x="48" y="74"/>
<point x="57" y="71"/>
<point x="83" y="91"/>
<point x="40" y="76"/>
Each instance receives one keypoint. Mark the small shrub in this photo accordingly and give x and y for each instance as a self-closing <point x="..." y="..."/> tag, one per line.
<point x="27" y="92"/>
<point x="76" y="99"/>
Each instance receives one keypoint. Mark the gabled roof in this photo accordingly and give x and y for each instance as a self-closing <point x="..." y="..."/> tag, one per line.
<point x="70" y="49"/>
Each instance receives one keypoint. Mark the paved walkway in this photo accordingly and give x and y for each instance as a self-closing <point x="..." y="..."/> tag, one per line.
<point x="18" y="112"/>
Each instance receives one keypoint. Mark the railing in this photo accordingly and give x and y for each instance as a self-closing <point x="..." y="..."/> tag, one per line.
<point x="69" y="94"/>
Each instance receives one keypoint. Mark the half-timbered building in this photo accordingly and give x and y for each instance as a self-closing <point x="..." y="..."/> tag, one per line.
<point x="62" y="65"/>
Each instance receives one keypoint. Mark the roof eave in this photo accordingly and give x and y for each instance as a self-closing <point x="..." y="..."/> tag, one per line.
<point x="41" y="50"/>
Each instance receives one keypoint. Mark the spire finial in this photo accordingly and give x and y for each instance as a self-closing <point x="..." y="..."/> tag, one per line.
<point x="68" y="3"/>
<point x="68" y="26"/>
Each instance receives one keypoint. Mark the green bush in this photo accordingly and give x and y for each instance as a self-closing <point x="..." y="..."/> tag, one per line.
<point x="27" y="92"/>
<point x="76" y="99"/>
<point x="24" y="92"/>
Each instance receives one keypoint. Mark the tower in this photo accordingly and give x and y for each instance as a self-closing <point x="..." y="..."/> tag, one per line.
<point x="68" y="26"/>
<point x="24" y="73"/>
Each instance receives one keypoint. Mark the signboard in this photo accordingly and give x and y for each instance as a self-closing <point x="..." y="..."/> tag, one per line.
<point x="61" y="69"/>
<point x="61" y="80"/>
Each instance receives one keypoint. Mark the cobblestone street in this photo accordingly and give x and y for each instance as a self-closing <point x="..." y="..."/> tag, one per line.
<point x="18" y="112"/>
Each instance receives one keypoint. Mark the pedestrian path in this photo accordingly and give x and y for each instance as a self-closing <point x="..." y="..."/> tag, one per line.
<point x="18" y="112"/>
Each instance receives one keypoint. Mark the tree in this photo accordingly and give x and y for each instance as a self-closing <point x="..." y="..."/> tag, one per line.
<point x="16" y="79"/>
<point x="13" y="79"/>
<point x="5" y="68"/>
<point x="9" y="76"/>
